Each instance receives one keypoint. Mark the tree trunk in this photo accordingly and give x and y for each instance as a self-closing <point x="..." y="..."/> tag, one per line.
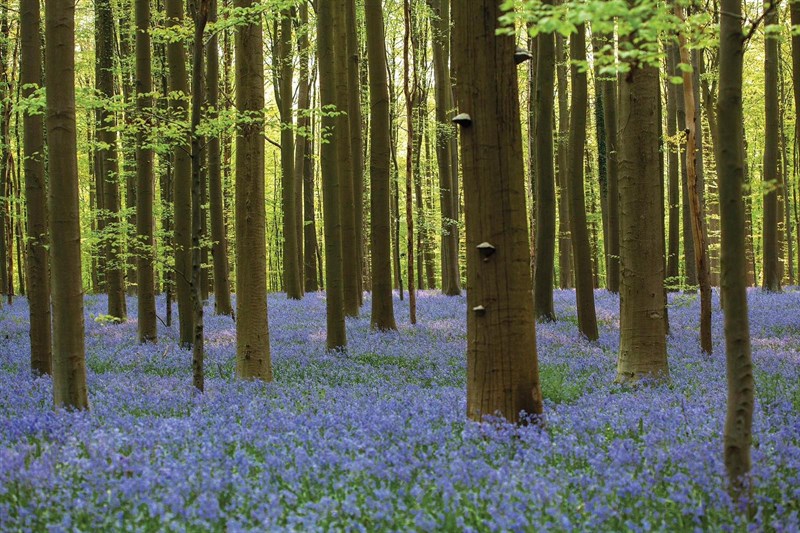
<point x="545" y="179"/>
<point x="581" y="251"/>
<point x="200" y="16"/>
<point x="379" y="169"/>
<point x="219" y="237"/>
<point x="35" y="192"/>
<point x="608" y="90"/>
<point x="502" y="368"/>
<point x="181" y="178"/>
<point x="252" y="327"/>
<point x="674" y="169"/>
<point x="451" y="279"/>
<point x="69" y="356"/>
<point x="564" y="236"/>
<point x="643" y="350"/>
<point x="306" y="251"/>
<point x="694" y="185"/>
<point x="730" y="167"/>
<point x="291" y="268"/>
<point x="351" y="271"/>
<point x="356" y="140"/>
<point x="107" y="157"/>
<point x="408" y="90"/>
<point x="144" y="179"/>
<point x="771" y="280"/>
<point x="331" y="198"/>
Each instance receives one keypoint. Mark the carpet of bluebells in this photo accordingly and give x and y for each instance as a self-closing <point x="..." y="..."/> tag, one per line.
<point x="376" y="438"/>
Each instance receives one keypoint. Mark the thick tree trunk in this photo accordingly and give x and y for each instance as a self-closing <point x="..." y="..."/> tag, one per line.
<point x="181" y="179"/>
<point x="107" y="156"/>
<point x="545" y="179"/>
<point x="581" y="251"/>
<point x="252" y="328"/>
<point x="331" y="198"/>
<point x="69" y="356"/>
<point x="144" y="179"/>
<point x="771" y="280"/>
<point x="730" y="167"/>
<point x="502" y="369"/>
<point x="379" y="169"/>
<point x="35" y="192"/>
<point x="642" y="351"/>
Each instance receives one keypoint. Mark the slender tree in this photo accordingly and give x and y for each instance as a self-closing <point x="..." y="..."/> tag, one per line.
<point x="409" y="86"/>
<point x="306" y="239"/>
<point x="694" y="185"/>
<point x="219" y="237"/>
<point x="451" y="278"/>
<point x="291" y="268"/>
<point x="581" y="251"/>
<point x="35" y="192"/>
<point x="69" y="356"/>
<point x="730" y="166"/>
<point x="106" y="154"/>
<point x="545" y="178"/>
<point x="502" y="369"/>
<point x="380" y="156"/>
<point x="181" y="176"/>
<point x="252" y="328"/>
<point x="673" y="177"/>
<point x="608" y="88"/>
<point x="771" y="280"/>
<point x="562" y="158"/>
<point x="356" y="139"/>
<point x="144" y="178"/>
<point x="332" y="133"/>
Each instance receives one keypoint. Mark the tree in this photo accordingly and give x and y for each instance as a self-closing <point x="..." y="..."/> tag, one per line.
<point x="451" y="276"/>
<point x="356" y="140"/>
<point x="331" y="133"/>
<point x="610" y="126"/>
<point x="106" y="154"/>
<point x="69" y="357"/>
<point x="219" y="237"/>
<point x="562" y="158"/>
<point x="642" y="345"/>
<point x="200" y="10"/>
<point x="181" y="175"/>
<point x="409" y="86"/>
<point x="730" y="167"/>
<point x="673" y="177"/>
<point x="581" y="251"/>
<point x="502" y="370"/>
<point x="545" y="179"/>
<point x="145" y="276"/>
<point x="35" y="192"/>
<point x="347" y="173"/>
<point x="291" y="266"/>
<point x="380" y="155"/>
<point x="772" y="182"/>
<point x="694" y="186"/>
<point x="252" y="328"/>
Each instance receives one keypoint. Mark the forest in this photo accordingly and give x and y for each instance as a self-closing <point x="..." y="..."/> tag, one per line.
<point x="383" y="265"/>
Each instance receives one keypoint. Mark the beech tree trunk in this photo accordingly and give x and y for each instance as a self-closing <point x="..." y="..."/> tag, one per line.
<point x="252" y="327"/>
<point x="771" y="280"/>
<point x="562" y="158"/>
<point x="181" y="179"/>
<point x="581" y="250"/>
<point x="440" y="27"/>
<point x="545" y="178"/>
<point x="408" y="90"/>
<point x="69" y="356"/>
<point x="304" y="191"/>
<point x="380" y="160"/>
<point x="502" y="369"/>
<point x="219" y="237"/>
<point x="674" y="170"/>
<point x="642" y="349"/>
<point x="331" y="199"/>
<point x="145" y="274"/>
<point x="35" y="192"/>
<point x="730" y="166"/>
<point x="107" y="160"/>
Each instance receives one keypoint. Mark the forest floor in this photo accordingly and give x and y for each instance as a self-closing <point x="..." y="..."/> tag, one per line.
<point x="376" y="438"/>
